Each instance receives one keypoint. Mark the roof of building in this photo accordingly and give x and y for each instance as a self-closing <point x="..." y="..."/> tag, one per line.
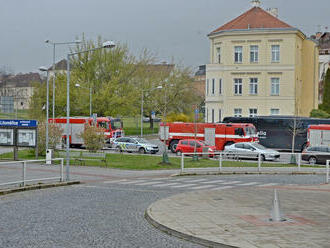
<point x="59" y="66"/>
<point x="255" y="18"/>
<point x="20" y="80"/>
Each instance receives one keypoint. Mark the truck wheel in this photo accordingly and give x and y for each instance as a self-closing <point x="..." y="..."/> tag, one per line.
<point x="142" y="151"/>
<point x="173" y="145"/>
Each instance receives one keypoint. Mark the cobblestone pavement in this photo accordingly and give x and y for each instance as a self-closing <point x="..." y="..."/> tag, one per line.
<point x="239" y="217"/>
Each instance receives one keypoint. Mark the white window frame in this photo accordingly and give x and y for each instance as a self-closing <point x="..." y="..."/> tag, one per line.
<point x="253" y="86"/>
<point x="238" y="86"/>
<point x="274" y="110"/>
<point x="238" y="54"/>
<point x="213" y="87"/>
<point x="253" y="112"/>
<point x="275" y="86"/>
<point x="276" y="53"/>
<point x="254" y="54"/>
<point x="220" y="86"/>
<point x="218" y="55"/>
<point x="207" y="86"/>
<point x="237" y="112"/>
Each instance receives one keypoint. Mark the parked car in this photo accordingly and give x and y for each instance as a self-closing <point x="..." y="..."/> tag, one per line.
<point x="147" y="119"/>
<point x="250" y="150"/>
<point x="188" y="146"/>
<point x="316" y="154"/>
<point x="132" y="144"/>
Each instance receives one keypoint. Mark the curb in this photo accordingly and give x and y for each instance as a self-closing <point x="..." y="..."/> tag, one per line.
<point x="38" y="186"/>
<point x="246" y="173"/>
<point x="181" y="235"/>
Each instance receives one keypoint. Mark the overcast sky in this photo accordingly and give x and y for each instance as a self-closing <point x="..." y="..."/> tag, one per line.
<point x="169" y="28"/>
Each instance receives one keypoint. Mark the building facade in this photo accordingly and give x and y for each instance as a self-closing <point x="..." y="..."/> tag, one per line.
<point x="260" y="65"/>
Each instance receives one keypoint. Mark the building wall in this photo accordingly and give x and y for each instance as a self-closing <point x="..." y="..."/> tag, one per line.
<point x="288" y="70"/>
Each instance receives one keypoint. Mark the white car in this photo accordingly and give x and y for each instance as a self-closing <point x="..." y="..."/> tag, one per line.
<point x="250" y="150"/>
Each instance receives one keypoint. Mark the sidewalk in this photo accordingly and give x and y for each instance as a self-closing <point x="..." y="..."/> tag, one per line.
<point x="240" y="217"/>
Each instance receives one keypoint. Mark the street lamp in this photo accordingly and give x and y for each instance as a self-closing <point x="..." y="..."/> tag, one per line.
<point x="107" y="44"/>
<point x="158" y="87"/>
<point x="90" y="97"/>
<point x="44" y="69"/>
<point x="53" y="67"/>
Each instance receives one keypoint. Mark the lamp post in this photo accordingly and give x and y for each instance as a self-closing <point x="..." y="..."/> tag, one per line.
<point x="90" y="97"/>
<point x="107" y="44"/>
<point x="158" y="87"/>
<point x="53" y="67"/>
<point x="44" y="69"/>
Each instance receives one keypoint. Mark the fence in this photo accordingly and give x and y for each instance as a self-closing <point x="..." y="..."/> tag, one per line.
<point x="327" y="172"/>
<point x="24" y="175"/>
<point x="292" y="162"/>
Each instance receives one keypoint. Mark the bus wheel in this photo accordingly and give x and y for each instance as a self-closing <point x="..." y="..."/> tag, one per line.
<point x="173" y="145"/>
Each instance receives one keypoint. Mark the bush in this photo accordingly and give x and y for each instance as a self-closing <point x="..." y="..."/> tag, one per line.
<point x="93" y="138"/>
<point x="318" y="113"/>
<point x="54" y="136"/>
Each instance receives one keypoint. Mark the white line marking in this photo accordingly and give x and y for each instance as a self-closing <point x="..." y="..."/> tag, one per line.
<point x="248" y="184"/>
<point x="214" y="181"/>
<point x="148" y="183"/>
<point x="165" y="185"/>
<point x="224" y="187"/>
<point x="195" y="180"/>
<point x="267" y="184"/>
<point x="132" y="182"/>
<point x="231" y="182"/>
<point x="203" y="187"/>
<point x="182" y="186"/>
<point x="115" y="181"/>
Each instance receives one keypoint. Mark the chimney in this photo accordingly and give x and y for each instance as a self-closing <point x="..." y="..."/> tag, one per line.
<point x="255" y="3"/>
<point x="273" y="11"/>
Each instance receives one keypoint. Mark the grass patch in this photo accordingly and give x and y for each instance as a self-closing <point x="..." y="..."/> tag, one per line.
<point x="127" y="161"/>
<point x="132" y="126"/>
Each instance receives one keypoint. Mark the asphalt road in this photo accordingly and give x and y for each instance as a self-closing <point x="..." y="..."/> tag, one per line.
<point x="108" y="211"/>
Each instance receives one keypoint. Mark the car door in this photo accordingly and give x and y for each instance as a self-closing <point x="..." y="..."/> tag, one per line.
<point x="239" y="150"/>
<point x="192" y="146"/>
<point x="131" y="145"/>
<point x="250" y="151"/>
<point x="324" y="155"/>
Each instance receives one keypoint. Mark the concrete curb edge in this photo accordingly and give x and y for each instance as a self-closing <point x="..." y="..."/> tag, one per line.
<point x="37" y="186"/>
<point x="181" y="235"/>
<point x="245" y="173"/>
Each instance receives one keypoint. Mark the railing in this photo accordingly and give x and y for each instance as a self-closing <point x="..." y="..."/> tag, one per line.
<point x="327" y="172"/>
<point x="292" y="160"/>
<point x="24" y="179"/>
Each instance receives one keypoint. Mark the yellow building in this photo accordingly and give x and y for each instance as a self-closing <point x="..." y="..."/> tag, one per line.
<point x="260" y="65"/>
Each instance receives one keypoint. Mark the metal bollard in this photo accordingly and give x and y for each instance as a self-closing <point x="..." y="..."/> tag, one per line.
<point x="220" y="162"/>
<point x="23" y="173"/>
<point x="259" y="162"/>
<point x="62" y="163"/>
<point x="182" y="163"/>
<point x="327" y="172"/>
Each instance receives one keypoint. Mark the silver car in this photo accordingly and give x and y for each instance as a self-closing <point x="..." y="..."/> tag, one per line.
<point x="134" y="145"/>
<point x="250" y="150"/>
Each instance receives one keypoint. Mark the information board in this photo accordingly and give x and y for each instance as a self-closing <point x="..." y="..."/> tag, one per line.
<point x="6" y="137"/>
<point x="26" y="137"/>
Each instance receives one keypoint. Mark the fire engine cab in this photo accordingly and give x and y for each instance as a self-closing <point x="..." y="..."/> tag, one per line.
<point x="214" y="134"/>
<point x="318" y="135"/>
<point x="112" y="128"/>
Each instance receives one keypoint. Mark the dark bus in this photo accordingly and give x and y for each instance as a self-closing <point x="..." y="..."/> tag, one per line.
<point x="277" y="131"/>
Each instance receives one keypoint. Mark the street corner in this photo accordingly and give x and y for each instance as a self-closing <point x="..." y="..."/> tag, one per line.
<point x="241" y="217"/>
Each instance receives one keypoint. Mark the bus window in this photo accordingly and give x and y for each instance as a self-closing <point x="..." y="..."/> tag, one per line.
<point x="239" y="131"/>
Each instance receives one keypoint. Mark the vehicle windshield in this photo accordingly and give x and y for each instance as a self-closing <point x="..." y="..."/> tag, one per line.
<point x="115" y="124"/>
<point x="104" y="124"/>
<point x="250" y="130"/>
<point x="261" y="147"/>
<point x="142" y="141"/>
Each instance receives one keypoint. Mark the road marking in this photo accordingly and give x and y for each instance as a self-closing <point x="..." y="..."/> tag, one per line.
<point x="203" y="187"/>
<point x="182" y="186"/>
<point x="224" y="187"/>
<point x="132" y="182"/>
<point x="231" y="182"/>
<point x="195" y="180"/>
<point x="267" y="184"/>
<point x="148" y="183"/>
<point x="165" y="185"/>
<point x="248" y="184"/>
<point x="115" y="181"/>
<point x="214" y="181"/>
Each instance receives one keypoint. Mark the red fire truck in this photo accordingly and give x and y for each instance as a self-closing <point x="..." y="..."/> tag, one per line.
<point x="112" y="128"/>
<point x="318" y="135"/>
<point x="214" y="134"/>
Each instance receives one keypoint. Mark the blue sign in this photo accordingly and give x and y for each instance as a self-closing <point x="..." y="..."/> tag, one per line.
<point x="18" y="123"/>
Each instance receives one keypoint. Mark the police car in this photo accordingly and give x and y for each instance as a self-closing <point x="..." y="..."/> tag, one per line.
<point x="130" y="144"/>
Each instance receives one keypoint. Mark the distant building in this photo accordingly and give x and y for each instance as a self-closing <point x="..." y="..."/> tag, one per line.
<point x="199" y="80"/>
<point x="16" y="91"/>
<point x="323" y="40"/>
<point x="260" y="65"/>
